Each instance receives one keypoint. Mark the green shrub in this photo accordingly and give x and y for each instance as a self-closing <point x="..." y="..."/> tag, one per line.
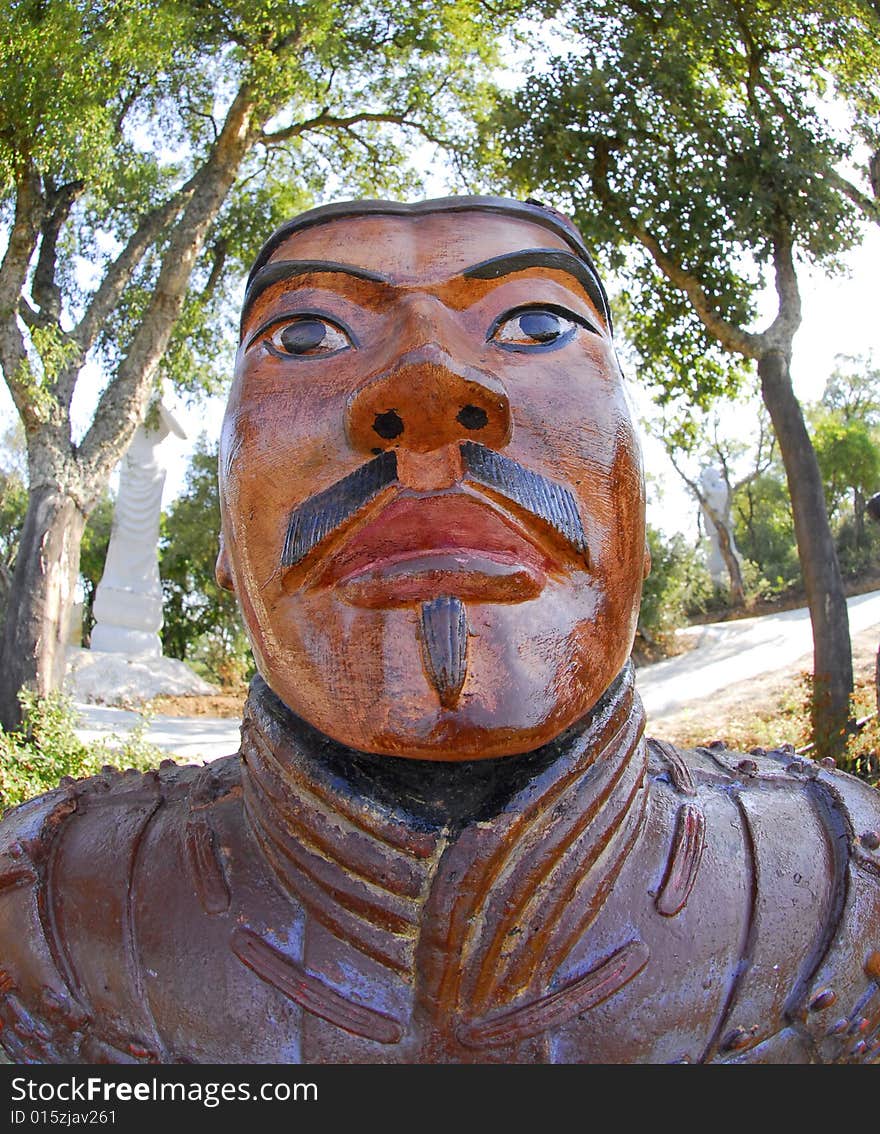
<point x="46" y="748"/>
<point x="202" y="623"/>
<point x="678" y="586"/>
<point x="857" y="551"/>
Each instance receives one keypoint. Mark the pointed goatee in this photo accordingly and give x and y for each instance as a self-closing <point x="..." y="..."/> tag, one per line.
<point x="444" y="647"/>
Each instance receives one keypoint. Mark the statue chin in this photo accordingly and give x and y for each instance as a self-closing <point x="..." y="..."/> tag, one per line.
<point x="508" y="683"/>
<point x="445" y="735"/>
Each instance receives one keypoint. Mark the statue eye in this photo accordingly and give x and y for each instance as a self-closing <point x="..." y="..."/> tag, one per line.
<point x="309" y="336"/>
<point x="534" y="328"/>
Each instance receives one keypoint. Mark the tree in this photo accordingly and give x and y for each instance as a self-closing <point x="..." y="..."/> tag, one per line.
<point x="846" y="435"/>
<point x="697" y="443"/>
<point x="849" y="461"/>
<point x="13" y="506"/>
<point x="853" y="390"/>
<point x="202" y="622"/>
<point x="694" y="144"/>
<point x="764" y="529"/>
<point x="147" y="148"/>
<point x="678" y="586"/>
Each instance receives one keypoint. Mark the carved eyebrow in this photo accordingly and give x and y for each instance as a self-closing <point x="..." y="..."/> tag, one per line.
<point x="280" y="270"/>
<point x="491" y="269"/>
<point x="563" y="261"/>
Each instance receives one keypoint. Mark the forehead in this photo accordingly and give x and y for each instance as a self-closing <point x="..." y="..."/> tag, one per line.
<point x="418" y="249"/>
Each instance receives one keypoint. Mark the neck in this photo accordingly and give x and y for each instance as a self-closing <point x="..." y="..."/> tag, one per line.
<point x="431" y="795"/>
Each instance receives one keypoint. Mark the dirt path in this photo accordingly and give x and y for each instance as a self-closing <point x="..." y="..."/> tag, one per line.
<point x="731" y="713"/>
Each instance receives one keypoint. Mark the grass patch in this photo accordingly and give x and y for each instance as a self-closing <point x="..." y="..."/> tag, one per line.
<point x="36" y="757"/>
<point x="786" y="718"/>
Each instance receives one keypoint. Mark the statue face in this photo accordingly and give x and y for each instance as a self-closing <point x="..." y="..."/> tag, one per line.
<point x="432" y="497"/>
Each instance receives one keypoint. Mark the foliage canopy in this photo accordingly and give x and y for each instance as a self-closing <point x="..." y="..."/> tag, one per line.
<point x="146" y="150"/>
<point x="694" y="144"/>
<point x="691" y="139"/>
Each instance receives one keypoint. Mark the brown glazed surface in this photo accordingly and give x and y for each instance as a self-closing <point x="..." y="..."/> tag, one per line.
<point x="445" y="838"/>
<point x="338" y="635"/>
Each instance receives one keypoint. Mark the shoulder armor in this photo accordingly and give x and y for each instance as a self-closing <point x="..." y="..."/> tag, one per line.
<point x="814" y="838"/>
<point x="65" y="920"/>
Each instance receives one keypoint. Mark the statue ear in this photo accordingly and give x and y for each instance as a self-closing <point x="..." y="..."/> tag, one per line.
<point x="222" y="570"/>
<point x="646" y="569"/>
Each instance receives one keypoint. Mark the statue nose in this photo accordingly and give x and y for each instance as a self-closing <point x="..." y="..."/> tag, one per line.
<point x="427" y="400"/>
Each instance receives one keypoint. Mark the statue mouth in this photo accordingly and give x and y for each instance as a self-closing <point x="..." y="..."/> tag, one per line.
<point x="495" y="537"/>
<point x="419" y="547"/>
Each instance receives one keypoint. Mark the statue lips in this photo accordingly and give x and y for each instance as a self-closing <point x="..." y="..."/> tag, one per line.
<point x="419" y="547"/>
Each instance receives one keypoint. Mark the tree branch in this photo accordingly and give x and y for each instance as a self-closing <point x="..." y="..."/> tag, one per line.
<point x="120" y="272"/>
<point x="109" y="292"/>
<point x="128" y="102"/>
<point x="210" y="118"/>
<point x="732" y="338"/>
<point x="325" y="119"/>
<point x="122" y="404"/>
<point x="763" y="460"/>
<point x="692" y="484"/>
<point x="218" y="261"/>
<point x="782" y="330"/>
<point x="44" y="288"/>
<point x="23" y="236"/>
<point x="29" y="317"/>
<point x="870" y="208"/>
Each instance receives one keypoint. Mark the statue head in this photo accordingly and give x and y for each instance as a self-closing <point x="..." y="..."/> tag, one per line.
<point x="431" y="487"/>
<point x="714" y="488"/>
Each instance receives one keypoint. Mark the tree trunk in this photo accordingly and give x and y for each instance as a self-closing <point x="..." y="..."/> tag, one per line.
<point x="732" y="565"/>
<point x="736" y="587"/>
<point x="40" y="599"/>
<point x="859" y="503"/>
<point x="47" y="566"/>
<point x="832" y="649"/>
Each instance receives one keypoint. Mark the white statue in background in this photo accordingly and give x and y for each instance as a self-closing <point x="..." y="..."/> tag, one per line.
<point x="128" y="600"/>
<point x="715" y="505"/>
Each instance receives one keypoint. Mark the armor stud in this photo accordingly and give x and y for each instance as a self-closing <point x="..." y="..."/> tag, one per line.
<point x="823" y="999"/>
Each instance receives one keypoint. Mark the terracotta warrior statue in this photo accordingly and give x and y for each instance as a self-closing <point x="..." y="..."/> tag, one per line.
<point x="445" y="837"/>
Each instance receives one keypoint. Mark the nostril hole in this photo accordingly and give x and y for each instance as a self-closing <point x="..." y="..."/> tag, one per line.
<point x="472" y="417"/>
<point x="388" y="424"/>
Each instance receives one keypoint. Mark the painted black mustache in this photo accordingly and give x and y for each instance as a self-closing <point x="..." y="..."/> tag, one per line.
<point x="322" y="514"/>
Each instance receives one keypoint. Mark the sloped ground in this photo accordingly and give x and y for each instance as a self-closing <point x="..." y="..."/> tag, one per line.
<point x="732" y="712"/>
